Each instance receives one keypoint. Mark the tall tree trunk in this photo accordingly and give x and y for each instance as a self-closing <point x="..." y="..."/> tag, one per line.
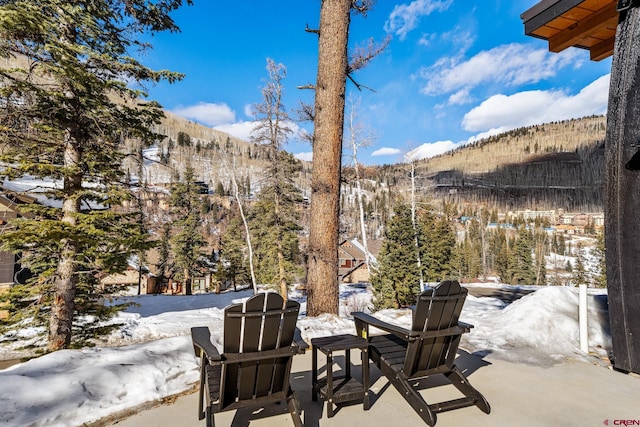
<point x="61" y="318"/>
<point x="414" y="222"/>
<point x="282" y="274"/>
<point x="622" y="198"/>
<point x="236" y="194"/>
<point x="322" y="275"/>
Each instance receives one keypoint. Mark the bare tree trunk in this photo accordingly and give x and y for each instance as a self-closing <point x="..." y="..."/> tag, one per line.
<point x="357" y="140"/>
<point x="414" y="223"/>
<point x="282" y="274"/>
<point x="322" y="275"/>
<point x="62" y="309"/>
<point x="236" y="192"/>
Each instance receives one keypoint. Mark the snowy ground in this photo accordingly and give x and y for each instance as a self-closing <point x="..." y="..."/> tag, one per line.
<point x="151" y="355"/>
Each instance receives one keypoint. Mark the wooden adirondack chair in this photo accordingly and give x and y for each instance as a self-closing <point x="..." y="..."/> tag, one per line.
<point x="260" y="340"/>
<point x="429" y="348"/>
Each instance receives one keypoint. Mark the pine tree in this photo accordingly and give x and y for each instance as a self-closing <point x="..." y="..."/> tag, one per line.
<point x="233" y="260"/>
<point x="438" y="246"/>
<point x="187" y="242"/>
<point x="396" y="278"/>
<point x="600" y="278"/>
<point x="469" y="253"/>
<point x="500" y="252"/>
<point x="520" y="267"/>
<point x="274" y="217"/>
<point x="328" y="121"/>
<point x="64" y="111"/>
<point x="579" y="276"/>
<point x="165" y="259"/>
<point x="540" y="248"/>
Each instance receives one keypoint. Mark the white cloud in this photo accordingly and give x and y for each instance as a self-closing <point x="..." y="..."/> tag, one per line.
<point x="207" y="113"/>
<point x="241" y="130"/>
<point x="248" y="110"/>
<point x="488" y="133"/>
<point x="460" y="38"/>
<point x="405" y="17"/>
<point x="306" y="156"/>
<point x="510" y="65"/>
<point x="431" y="149"/>
<point x="425" y="40"/>
<point x="461" y="97"/>
<point x="504" y="112"/>
<point x="386" y="151"/>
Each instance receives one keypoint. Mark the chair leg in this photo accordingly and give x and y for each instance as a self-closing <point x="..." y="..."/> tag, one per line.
<point x="458" y="379"/>
<point x="294" y="409"/>
<point x="414" y="399"/>
<point x="211" y="422"/>
<point x="203" y="377"/>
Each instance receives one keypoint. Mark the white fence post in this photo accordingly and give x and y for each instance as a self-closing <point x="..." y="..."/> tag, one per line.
<point x="584" y="331"/>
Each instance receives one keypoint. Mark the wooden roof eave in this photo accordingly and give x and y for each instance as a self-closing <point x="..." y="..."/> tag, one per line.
<point x="586" y="24"/>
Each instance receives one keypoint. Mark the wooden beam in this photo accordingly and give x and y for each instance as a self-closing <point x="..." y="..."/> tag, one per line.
<point x="603" y="18"/>
<point x="603" y="49"/>
<point x="544" y="12"/>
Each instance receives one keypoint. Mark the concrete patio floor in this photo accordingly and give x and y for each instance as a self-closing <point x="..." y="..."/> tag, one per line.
<point x="571" y="393"/>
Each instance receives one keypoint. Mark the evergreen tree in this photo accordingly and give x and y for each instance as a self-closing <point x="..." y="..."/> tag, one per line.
<point x="396" y="278"/>
<point x="541" y="249"/>
<point x="500" y="253"/>
<point x="520" y="267"/>
<point x="568" y="267"/>
<point x="579" y="276"/>
<point x="165" y="260"/>
<point x="220" y="189"/>
<point x="468" y="254"/>
<point x="233" y="260"/>
<point x="438" y="246"/>
<point x="274" y="218"/>
<point x="187" y="242"/>
<point x="600" y="278"/>
<point x="562" y="249"/>
<point x="65" y="109"/>
<point x="328" y="120"/>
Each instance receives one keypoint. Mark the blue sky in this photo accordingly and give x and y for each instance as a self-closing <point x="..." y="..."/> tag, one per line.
<point x="454" y="70"/>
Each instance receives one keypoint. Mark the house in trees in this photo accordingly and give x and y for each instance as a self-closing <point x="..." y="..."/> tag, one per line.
<point x="352" y="267"/>
<point x="128" y="278"/>
<point x="10" y="203"/>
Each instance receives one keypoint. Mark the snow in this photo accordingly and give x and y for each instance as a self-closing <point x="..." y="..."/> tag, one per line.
<point x="150" y="355"/>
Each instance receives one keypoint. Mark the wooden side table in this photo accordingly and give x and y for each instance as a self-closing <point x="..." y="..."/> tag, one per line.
<point x="340" y="388"/>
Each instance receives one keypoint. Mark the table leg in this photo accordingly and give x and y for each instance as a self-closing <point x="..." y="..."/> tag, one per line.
<point x="329" y="384"/>
<point x="365" y="378"/>
<point x="347" y="369"/>
<point x="314" y="374"/>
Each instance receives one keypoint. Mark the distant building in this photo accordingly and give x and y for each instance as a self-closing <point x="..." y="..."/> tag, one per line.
<point x="352" y="266"/>
<point x="10" y="203"/>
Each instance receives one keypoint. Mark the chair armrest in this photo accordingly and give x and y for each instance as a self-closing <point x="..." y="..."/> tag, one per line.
<point x="364" y="320"/>
<point x="452" y="331"/>
<point x="201" y="337"/>
<point x="466" y="326"/>
<point x="300" y="343"/>
<point x="230" y="358"/>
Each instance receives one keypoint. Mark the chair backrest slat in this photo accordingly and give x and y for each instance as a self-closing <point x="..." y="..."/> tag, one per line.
<point x="436" y="309"/>
<point x="262" y="323"/>
<point x="270" y="340"/>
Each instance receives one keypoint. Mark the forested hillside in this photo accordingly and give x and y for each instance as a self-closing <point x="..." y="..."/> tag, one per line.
<point x="550" y="166"/>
